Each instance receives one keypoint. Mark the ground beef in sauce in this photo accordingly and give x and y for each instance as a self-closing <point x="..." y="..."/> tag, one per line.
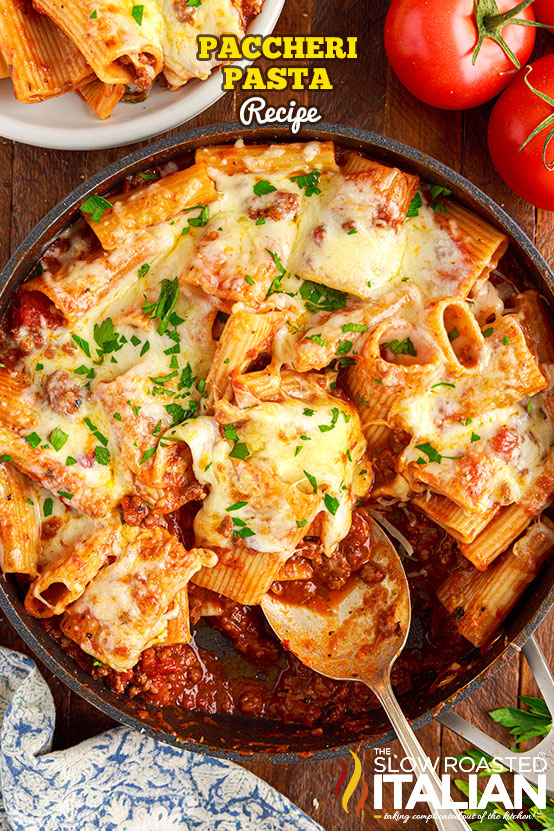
<point x="64" y="393"/>
<point x="277" y="685"/>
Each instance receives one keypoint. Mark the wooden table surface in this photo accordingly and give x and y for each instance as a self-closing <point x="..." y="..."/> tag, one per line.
<point x="366" y="95"/>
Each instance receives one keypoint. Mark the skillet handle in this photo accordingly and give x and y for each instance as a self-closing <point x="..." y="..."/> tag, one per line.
<point x="517" y="762"/>
<point x="446" y="819"/>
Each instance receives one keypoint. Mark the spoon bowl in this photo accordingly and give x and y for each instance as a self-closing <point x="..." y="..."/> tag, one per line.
<point x="356" y="633"/>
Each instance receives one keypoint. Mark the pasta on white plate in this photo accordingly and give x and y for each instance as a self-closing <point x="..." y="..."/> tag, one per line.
<point x="269" y="343"/>
<point x="108" y="50"/>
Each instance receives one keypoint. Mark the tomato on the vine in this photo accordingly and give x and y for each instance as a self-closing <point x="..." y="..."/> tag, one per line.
<point x="520" y="133"/>
<point x="544" y="11"/>
<point x="455" y="54"/>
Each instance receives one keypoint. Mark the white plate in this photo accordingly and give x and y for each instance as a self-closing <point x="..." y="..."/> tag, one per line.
<point x="67" y="123"/>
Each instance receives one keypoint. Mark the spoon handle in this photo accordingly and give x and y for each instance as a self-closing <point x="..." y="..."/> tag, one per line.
<point x="446" y="819"/>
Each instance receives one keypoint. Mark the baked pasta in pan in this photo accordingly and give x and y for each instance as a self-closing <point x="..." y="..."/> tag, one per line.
<point x="214" y="376"/>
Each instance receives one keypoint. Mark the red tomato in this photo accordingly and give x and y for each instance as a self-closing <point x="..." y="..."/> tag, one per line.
<point x="513" y="118"/>
<point x="544" y="11"/>
<point x="430" y="44"/>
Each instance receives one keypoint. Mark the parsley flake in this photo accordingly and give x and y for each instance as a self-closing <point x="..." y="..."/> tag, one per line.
<point x="58" y="438"/>
<point x="308" y="182"/>
<point x="262" y="187"/>
<point x="239" y="451"/>
<point x="404" y="347"/>
<point x="95" y="206"/>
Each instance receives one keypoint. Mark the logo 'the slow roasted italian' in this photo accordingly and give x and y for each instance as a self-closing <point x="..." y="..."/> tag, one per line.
<point x="355" y="779"/>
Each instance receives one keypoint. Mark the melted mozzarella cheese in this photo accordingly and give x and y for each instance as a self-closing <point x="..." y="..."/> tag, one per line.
<point x="286" y="442"/>
<point x="183" y="24"/>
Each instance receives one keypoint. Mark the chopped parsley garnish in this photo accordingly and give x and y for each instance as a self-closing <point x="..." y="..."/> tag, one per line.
<point x="143" y="270"/>
<point x="94" y="15"/>
<point x="70" y="461"/>
<point x="331" y="503"/>
<point x="230" y="432"/>
<point x="352" y="231"/>
<point x="326" y="427"/>
<point x="443" y="384"/>
<point x="432" y="454"/>
<point x="436" y="191"/>
<point x="361" y="401"/>
<point x="278" y="264"/>
<point x="135" y="341"/>
<point x="262" y="187"/>
<point x="145" y="348"/>
<point x="164" y="305"/>
<point x="95" y="206"/>
<point x="317" y="339"/>
<point x="297" y="449"/>
<point x="147" y="454"/>
<point x="82" y="344"/>
<point x="397" y="347"/>
<point x="48" y="506"/>
<point x="466" y="422"/>
<point x="81" y="370"/>
<point x="344" y="347"/>
<point x="194" y="4"/>
<point x="249" y="280"/>
<point x="201" y="387"/>
<point x="39" y="367"/>
<point x="95" y="431"/>
<point x="301" y="522"/>
<point x="260" y="221"/>
<point x="179" y="414"/>
<point x="311" y="479"/>
<point x="117" y="416"/>
<point x="308" y="412"/>
<point x="202" y="218"/>
<point x="96" y="663"/>
<point x="29" y="502"/>
<point x="148" y="176"/>
<point x="106" y="338"/>
<point x="377" y="381"/>
<point x="5" y="457"/>
<point x="235" y="506"/>
<point x="160" y="380"/>
<point x="318" y="297"/>
<point x="58" y="438"/>
<point x="102" y="455"/>
<point x="242" y="530"/>
<point x="529" y="405"/>
<point x="33" y="439"/>
<point x="488" y="332"/>
<point x="453" y="334"/>
<point x="308" y="182"/>
<point x="505" y="340"/>
<point x="239" y="451"/>
<point x="474" y="437"/>
<point x="415" y="205"/>
<point x="354" y="327"/>
<point x="65" y="494"/>
<point x="138" y="12"/>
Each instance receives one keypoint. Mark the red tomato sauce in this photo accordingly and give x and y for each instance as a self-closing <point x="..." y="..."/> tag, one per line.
<point x="255" y="676"/>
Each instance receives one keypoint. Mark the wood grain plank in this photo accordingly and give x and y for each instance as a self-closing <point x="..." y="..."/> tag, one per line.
<point x="40" y="179"/>
<point x="6" y="178"/>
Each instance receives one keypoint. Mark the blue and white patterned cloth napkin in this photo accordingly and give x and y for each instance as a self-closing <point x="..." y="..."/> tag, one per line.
<point x="121" y="780"/>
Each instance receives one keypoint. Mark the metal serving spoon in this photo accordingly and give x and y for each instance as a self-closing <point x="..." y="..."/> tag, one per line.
<point x="357" y="636"/>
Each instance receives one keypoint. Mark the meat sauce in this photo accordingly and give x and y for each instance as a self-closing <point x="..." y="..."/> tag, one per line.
<point x="265" y="681"/>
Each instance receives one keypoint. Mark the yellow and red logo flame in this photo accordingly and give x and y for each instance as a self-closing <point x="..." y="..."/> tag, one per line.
<point x="352" y="784"/>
